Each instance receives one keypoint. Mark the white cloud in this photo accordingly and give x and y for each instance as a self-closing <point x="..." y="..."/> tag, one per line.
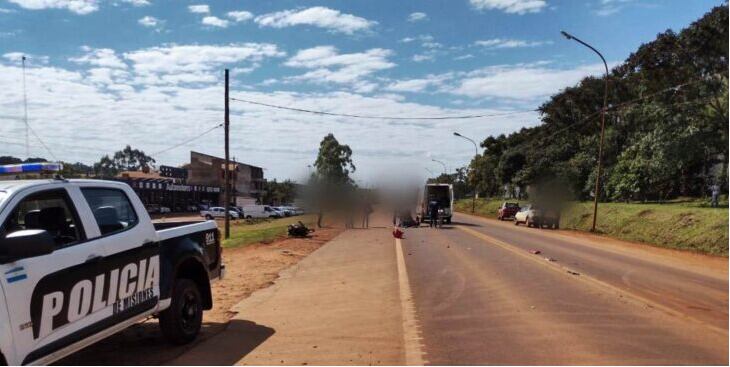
<point x="138" y="2"/>
<point x="100" y="57"/>
<point x="327" y="65"/>
<point x="521" y="82"/>
<point x="510" y="6"/>
<point x="509" y="43"/>
<point x="610" y="7"/>
<point x="215" y="21"/>
<point x="317" y="16"/>
<point x="6" y="11"/>
<point x="418" y="85"/>
<point x="104" y="109"/>
<point x="173" y="64"/>
<point x="423" y="57"/>
<point x="17" y="57"/>
<point x="199" y="9"/>
<point x="417" y="16"/>
<point x="149" y="22"/>
<point x="75" y="6"/>
<point x="240" y="15"/>
<point x="464" y="57"/>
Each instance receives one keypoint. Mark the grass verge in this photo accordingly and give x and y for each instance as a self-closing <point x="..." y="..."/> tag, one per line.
<point x="687" y="225"/>
<point x="247" y="232"/>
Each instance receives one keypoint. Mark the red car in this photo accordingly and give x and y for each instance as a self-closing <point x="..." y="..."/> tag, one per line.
<point x="507" y="210"/>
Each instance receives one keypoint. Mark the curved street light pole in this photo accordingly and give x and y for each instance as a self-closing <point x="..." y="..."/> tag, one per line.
<point x="442" y="163"/>
<point x="476" y="153"/>
<point x="603" y="123"/>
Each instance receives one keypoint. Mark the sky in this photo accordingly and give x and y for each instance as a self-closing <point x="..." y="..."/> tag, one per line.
<point x="101" y="74"/>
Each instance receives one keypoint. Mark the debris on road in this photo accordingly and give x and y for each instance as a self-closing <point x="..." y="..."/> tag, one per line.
<point x="397" y="233"/>
<point x="535" y="252"/>
<point x="572" y="272"/>
<point x="550" y="259"/>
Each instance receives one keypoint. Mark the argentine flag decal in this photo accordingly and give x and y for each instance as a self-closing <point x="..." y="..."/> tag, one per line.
<point x="15" y="274"/>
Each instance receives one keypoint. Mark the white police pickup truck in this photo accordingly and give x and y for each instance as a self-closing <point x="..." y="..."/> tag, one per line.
<point x="81" y="260"/>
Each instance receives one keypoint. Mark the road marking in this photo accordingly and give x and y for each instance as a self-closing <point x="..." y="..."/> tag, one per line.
<point x="589" y="280"/>
<point x="411" y="338"/>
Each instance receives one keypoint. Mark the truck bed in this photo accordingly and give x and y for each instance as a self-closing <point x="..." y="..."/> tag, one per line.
<point x="167" y="230"/>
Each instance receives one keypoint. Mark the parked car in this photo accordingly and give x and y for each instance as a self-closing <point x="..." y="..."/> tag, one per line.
<point x="152" y="208"/>
<point x="261" y="211"/>
<point x="218" y="212"/>
<point x="81" y="260"/>
<point x="285" y="211"/>
<point x="164" y="209"/>
<point x="507" y="210"/>
<point x="536" y="216"/>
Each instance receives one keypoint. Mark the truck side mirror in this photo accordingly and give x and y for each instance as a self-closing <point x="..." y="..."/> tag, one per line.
<point x="26" y="243"/>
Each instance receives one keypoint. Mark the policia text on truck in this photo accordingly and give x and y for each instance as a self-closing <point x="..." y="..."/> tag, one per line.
<point x="81" y="260"/>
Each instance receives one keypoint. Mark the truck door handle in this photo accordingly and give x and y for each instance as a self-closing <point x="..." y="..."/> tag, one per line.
<point x="93" y="258"/>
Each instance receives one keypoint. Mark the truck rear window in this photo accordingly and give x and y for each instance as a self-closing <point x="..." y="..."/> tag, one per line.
<point x="112" y="210"/>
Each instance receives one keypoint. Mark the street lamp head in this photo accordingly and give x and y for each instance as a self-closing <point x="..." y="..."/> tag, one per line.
<point x="566" y="35"/>
<point x="456" y="134"/>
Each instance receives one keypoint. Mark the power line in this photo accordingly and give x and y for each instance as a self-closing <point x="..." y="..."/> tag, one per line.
<point x="461" y="117"/>
<point x="189" y="140"/>
<point x="41" y="141"/>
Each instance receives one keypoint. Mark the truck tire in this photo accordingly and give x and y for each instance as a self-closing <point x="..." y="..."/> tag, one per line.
<point x="181" y="322"/>
<point x="208" y="217"/>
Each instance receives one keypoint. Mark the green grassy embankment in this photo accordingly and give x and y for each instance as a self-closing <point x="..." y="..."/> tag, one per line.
<point x="689" y="225"/>
<point x="245" y="232"/>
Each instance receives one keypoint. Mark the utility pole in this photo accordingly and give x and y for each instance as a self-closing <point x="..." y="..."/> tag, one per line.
<point x="596" y="194"/>
<point x="227" y="194"/>
<point x="25" y="111"/>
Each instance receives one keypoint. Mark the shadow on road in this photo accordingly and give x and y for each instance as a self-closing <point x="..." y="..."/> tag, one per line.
<point x="143" y="344"/>
<point x="240" y="338"/>
<point x="465" y="224"/>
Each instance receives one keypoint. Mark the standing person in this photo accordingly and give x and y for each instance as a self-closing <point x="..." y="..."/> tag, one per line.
<point x="433" y="212"/>
<point x="715" y="190"/>
<point x="366" y="210"/>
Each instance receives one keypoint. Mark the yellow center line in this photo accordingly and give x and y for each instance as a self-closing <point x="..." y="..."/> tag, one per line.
<point x="588" y="279"/>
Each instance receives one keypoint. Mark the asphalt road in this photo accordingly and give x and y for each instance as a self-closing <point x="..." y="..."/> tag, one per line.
<point x="482" y="296"/>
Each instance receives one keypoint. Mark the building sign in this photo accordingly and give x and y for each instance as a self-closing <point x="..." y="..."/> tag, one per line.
<point x="173" y="172"/>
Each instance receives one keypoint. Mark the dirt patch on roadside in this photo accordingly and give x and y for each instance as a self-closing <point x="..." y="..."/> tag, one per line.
<point x="248" y="269"/>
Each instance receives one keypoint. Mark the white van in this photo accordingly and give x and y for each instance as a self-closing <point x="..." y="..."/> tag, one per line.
<point x="260" y="211"/>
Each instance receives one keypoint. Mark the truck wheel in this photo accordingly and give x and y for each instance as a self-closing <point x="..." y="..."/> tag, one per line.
<point x="248" y="217"/>
<point x="208" y="217"/>
<point x="181" y="322"/>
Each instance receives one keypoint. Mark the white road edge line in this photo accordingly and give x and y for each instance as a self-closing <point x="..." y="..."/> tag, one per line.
<point x="411" y="339"/>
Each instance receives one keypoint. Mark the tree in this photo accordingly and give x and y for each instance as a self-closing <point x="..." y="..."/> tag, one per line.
<point x="278" y="193"/>
<point x="127" y="159"/>
<point x="334" y="161"/>
<point x="661" y="140"/>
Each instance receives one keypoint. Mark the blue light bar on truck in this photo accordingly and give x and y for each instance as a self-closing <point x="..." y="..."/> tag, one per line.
<point x="31" y="168"/>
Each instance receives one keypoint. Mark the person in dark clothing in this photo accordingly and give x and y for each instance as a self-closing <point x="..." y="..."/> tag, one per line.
<point x="433" y="212"/>
<point x="366" y="210"/>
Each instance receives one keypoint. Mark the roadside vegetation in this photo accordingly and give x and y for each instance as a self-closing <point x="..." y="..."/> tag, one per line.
<point x="666" y="137"/>
<point x="681" y="224"/>
<point x="246" y="232"/>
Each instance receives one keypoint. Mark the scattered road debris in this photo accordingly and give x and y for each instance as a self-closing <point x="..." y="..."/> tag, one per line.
<point x="572" y="272"/>
<point x="535" y="252"/>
